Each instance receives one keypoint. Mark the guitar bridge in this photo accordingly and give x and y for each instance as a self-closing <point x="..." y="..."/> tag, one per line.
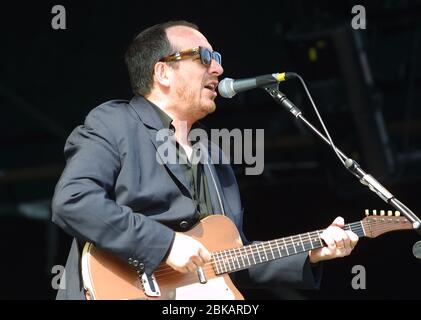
<point x="150" y="286"/>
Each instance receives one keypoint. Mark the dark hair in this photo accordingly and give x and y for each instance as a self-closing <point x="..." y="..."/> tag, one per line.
<point x="144" y="52"/>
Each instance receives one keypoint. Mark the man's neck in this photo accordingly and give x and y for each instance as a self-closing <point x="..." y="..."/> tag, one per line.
<point x="182" y="126"/>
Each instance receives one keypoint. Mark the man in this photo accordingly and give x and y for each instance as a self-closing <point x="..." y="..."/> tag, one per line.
<point x="115" y="193"/>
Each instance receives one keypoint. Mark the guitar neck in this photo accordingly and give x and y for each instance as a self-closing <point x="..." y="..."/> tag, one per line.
<point x="236" y="259"/>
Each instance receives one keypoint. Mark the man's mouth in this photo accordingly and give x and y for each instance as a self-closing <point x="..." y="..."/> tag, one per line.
<point x="211" y="86"/>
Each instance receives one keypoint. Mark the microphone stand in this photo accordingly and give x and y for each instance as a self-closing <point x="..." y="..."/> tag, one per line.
<point x="352" y="166"/>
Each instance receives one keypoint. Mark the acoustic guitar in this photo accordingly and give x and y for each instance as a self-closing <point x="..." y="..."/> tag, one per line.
<point x="108" y="277"/>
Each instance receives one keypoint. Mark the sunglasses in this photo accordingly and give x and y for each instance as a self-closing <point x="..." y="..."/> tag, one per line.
<point x="206" y="56"/>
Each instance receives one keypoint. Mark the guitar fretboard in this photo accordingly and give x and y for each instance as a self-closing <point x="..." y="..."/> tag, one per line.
<point x="236" y="259"/>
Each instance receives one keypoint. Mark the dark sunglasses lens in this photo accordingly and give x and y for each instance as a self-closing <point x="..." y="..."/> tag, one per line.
<point x="217" y="57"/>
<point x="206" y="57"/>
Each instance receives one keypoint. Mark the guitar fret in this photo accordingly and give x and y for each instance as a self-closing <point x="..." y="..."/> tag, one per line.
<point x="315" y="240"/>
<point x="222" y="262"/>
<point x="215" y="262"/>
<point x="286" y="247"/>
<point x="363" y="234"/>
<point x="252" y="254"/>
<point x="219" y="259"/>
<point x="309" y="238"/>
<point x="247" y="256"/>
<point x="234" y="259"/>
<point x="306" y="243"/>
<point x="277" y="245"/>
<point x="302" y="244"/>
<point x="241" y="256"/>
<point x="320" y="239"/>
<point x="293" y="245"/>
<point x="270" y="249"/>
<point x="238" y="257"/>
<point x="264" y="251"/>
<point x="227" y="262"/>
<point x="258" y="252"/>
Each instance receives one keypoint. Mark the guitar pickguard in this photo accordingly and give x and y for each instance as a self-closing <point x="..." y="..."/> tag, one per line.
<point x="213" y="289"/>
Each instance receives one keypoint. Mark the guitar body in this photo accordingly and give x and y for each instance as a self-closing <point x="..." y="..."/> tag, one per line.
<point x="107" y="277"/>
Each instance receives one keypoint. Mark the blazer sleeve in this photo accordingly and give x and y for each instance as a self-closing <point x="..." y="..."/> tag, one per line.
<point x="84" y="204"/>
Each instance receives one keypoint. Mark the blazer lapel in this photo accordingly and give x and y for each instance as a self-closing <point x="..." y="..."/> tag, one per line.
<point x="213" y="158"/>
<point x="153" y="124"/>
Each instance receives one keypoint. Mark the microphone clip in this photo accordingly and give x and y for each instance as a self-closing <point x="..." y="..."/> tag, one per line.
<point x="281" y="99"/>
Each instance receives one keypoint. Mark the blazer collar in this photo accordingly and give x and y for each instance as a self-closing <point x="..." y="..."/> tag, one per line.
<point x="149" y="117"/>
<point x="146" y="112"/>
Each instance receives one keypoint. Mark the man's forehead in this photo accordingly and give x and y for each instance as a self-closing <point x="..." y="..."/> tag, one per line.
<point x="185" y="37"/>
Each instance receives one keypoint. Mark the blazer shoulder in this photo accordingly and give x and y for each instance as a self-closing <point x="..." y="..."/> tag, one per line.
<point x="109" y="109"/>
<point x="113" y="114"/>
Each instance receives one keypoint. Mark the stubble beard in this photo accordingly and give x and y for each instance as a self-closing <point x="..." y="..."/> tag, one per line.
<point x="193" y="105"/>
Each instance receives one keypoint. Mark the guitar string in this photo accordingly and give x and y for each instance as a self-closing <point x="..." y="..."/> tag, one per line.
<point x="264" y="246"/>
<point x="208" y="267"/>
<point x="229" y="262"/>
<point x="229" y="265"/>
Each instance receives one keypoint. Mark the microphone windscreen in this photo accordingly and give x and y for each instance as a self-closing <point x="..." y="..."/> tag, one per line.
<point x="416" y="249"/>
<point x="225" y="88"/>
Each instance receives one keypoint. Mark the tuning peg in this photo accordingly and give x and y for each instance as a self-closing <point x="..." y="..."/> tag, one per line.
<point x="374" y="212"/>
<point x="397" y="213"/>
<point x="382" y="213"/>
<point x="367" y="212"/>
<point x="389" y="213"/>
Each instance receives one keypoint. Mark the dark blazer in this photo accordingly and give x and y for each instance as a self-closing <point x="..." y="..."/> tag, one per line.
<point x="114" y="193"/>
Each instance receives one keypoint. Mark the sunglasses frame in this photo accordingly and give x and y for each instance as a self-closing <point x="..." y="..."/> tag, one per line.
<point x="201" y="51"/>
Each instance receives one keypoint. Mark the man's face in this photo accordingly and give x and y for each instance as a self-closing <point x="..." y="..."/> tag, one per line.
<point x="193" y="85"/>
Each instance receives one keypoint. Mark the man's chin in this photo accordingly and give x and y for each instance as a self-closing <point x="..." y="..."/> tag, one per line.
<point x="211" y="107"/>
<point x="205" y="109"/>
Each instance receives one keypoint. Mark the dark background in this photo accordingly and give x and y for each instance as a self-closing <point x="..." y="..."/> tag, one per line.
<point x="366" y="84"/>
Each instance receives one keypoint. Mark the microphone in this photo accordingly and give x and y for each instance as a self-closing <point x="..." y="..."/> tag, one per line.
<point x="416" y="249"/>
<point x="229" y="87"/>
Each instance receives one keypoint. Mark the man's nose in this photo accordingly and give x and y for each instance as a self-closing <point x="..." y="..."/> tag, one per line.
<point x="215" y="68"/>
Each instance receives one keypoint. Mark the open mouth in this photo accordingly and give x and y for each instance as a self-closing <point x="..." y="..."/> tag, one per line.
<point x="211" y="86"/>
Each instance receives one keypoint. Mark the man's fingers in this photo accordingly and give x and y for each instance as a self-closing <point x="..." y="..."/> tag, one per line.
<point x="353" y="238"/>
<point x="192" y="267"/>
<point x="339" y="222"/>
<point x="187" y="254"/>
<point x="204" y="254"/>
<point x="328" y="239"/>
<point x="197" y="261"/>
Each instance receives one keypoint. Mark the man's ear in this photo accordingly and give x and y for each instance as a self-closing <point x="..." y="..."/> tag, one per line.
<point x="161" y="73"/>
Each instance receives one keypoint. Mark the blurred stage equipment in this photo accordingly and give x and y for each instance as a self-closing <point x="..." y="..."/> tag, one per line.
<point x="364" y="102"/>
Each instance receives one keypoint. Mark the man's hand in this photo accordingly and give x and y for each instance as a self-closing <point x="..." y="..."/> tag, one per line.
<point x="340" y="243"/>
<point x="187" y="254"/>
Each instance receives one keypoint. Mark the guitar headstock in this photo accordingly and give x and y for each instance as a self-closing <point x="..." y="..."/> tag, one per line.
<point x="379" y="222"/>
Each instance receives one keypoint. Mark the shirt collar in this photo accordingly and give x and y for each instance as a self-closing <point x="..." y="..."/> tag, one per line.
<point x="167" y="120"/>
